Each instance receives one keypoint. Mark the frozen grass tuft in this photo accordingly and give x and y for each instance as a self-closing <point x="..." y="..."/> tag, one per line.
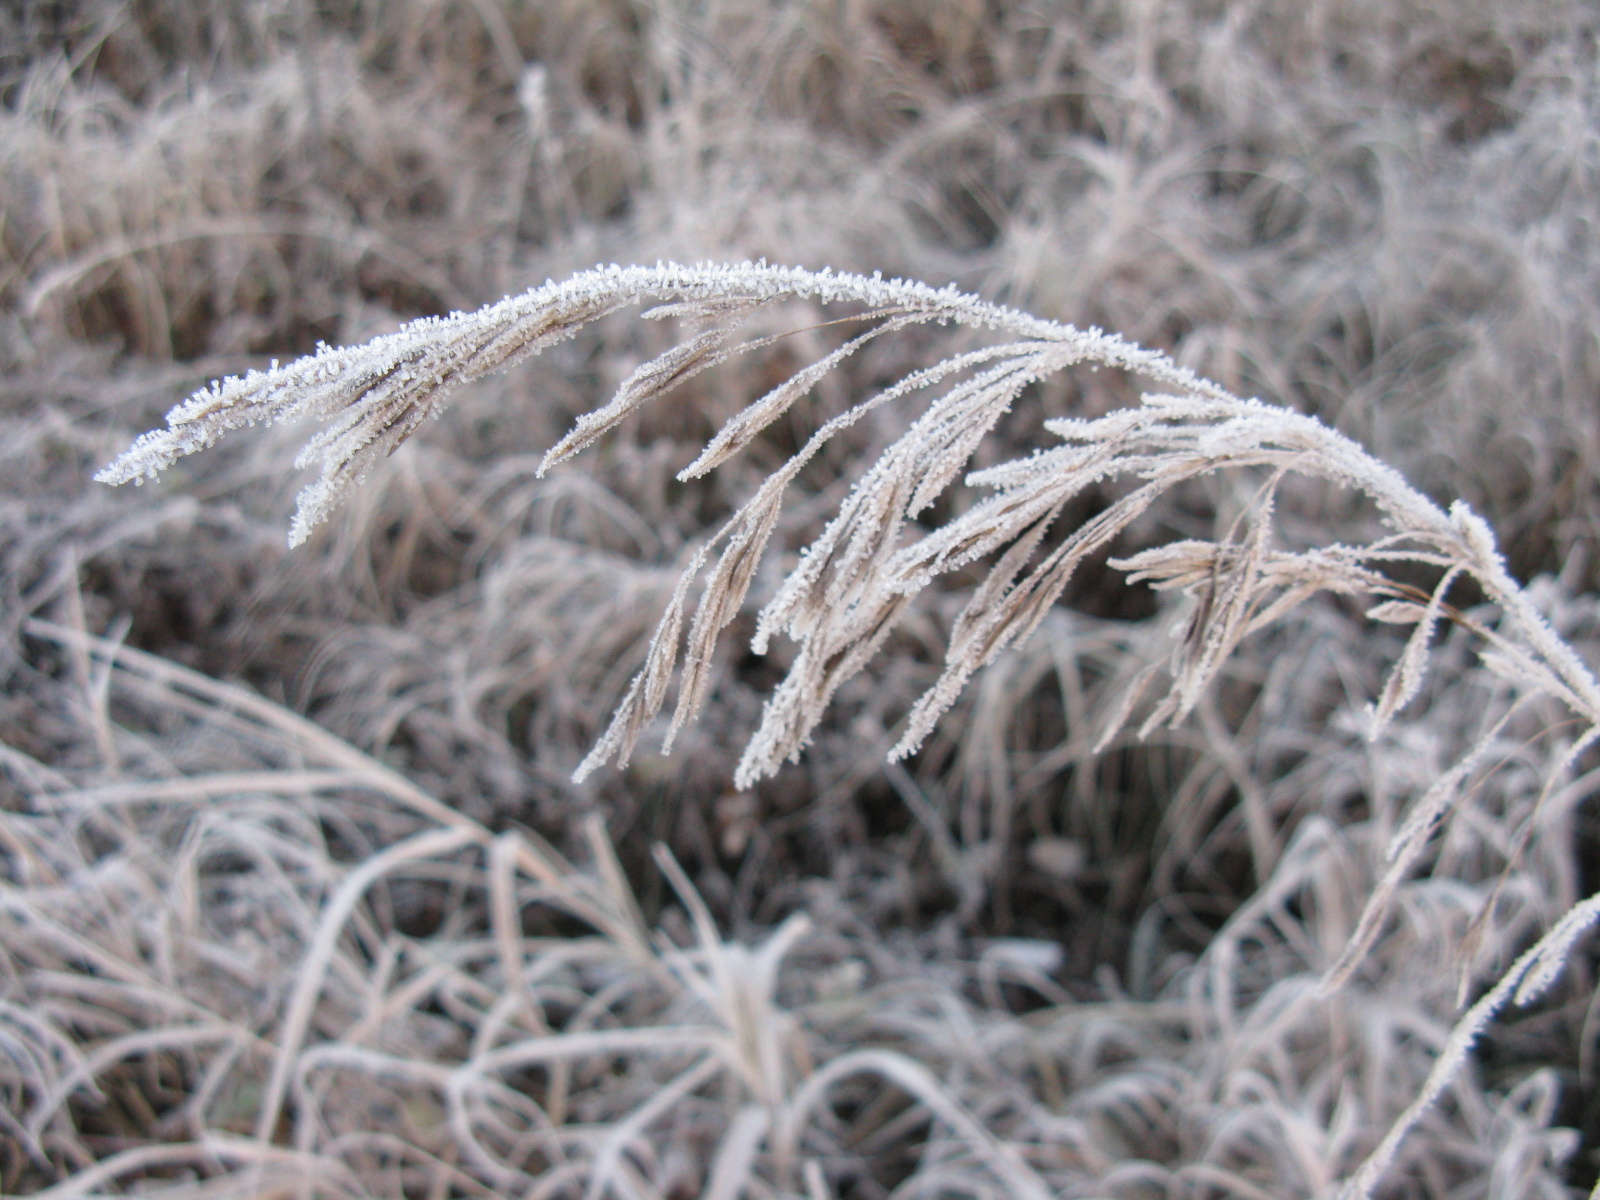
<point x="852" y="585"/>
<point x="1258" y="869"/>
<point x="304" y="973"/>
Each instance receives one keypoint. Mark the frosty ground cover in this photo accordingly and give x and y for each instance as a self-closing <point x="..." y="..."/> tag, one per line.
<point x="298" y="890"/>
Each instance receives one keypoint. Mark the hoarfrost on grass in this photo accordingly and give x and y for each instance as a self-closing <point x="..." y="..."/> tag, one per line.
<point x="855" y="581"/>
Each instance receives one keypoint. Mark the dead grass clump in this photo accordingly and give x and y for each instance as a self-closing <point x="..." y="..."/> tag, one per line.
<point x="848" y="589"/>
<point x="349" y="989"/>
<point x="1109" y="961"/>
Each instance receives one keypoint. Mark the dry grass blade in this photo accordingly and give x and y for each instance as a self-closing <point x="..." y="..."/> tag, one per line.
<point x="661" y="374"/>
<point x="313" y="968"/>
<point x="1529" y="977"/>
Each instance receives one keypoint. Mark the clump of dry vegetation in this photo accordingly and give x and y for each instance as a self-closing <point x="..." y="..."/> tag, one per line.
<point x="299" y="893"/>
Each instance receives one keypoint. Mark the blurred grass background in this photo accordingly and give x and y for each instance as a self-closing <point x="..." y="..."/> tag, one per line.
<point x="1377" y="211"/>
